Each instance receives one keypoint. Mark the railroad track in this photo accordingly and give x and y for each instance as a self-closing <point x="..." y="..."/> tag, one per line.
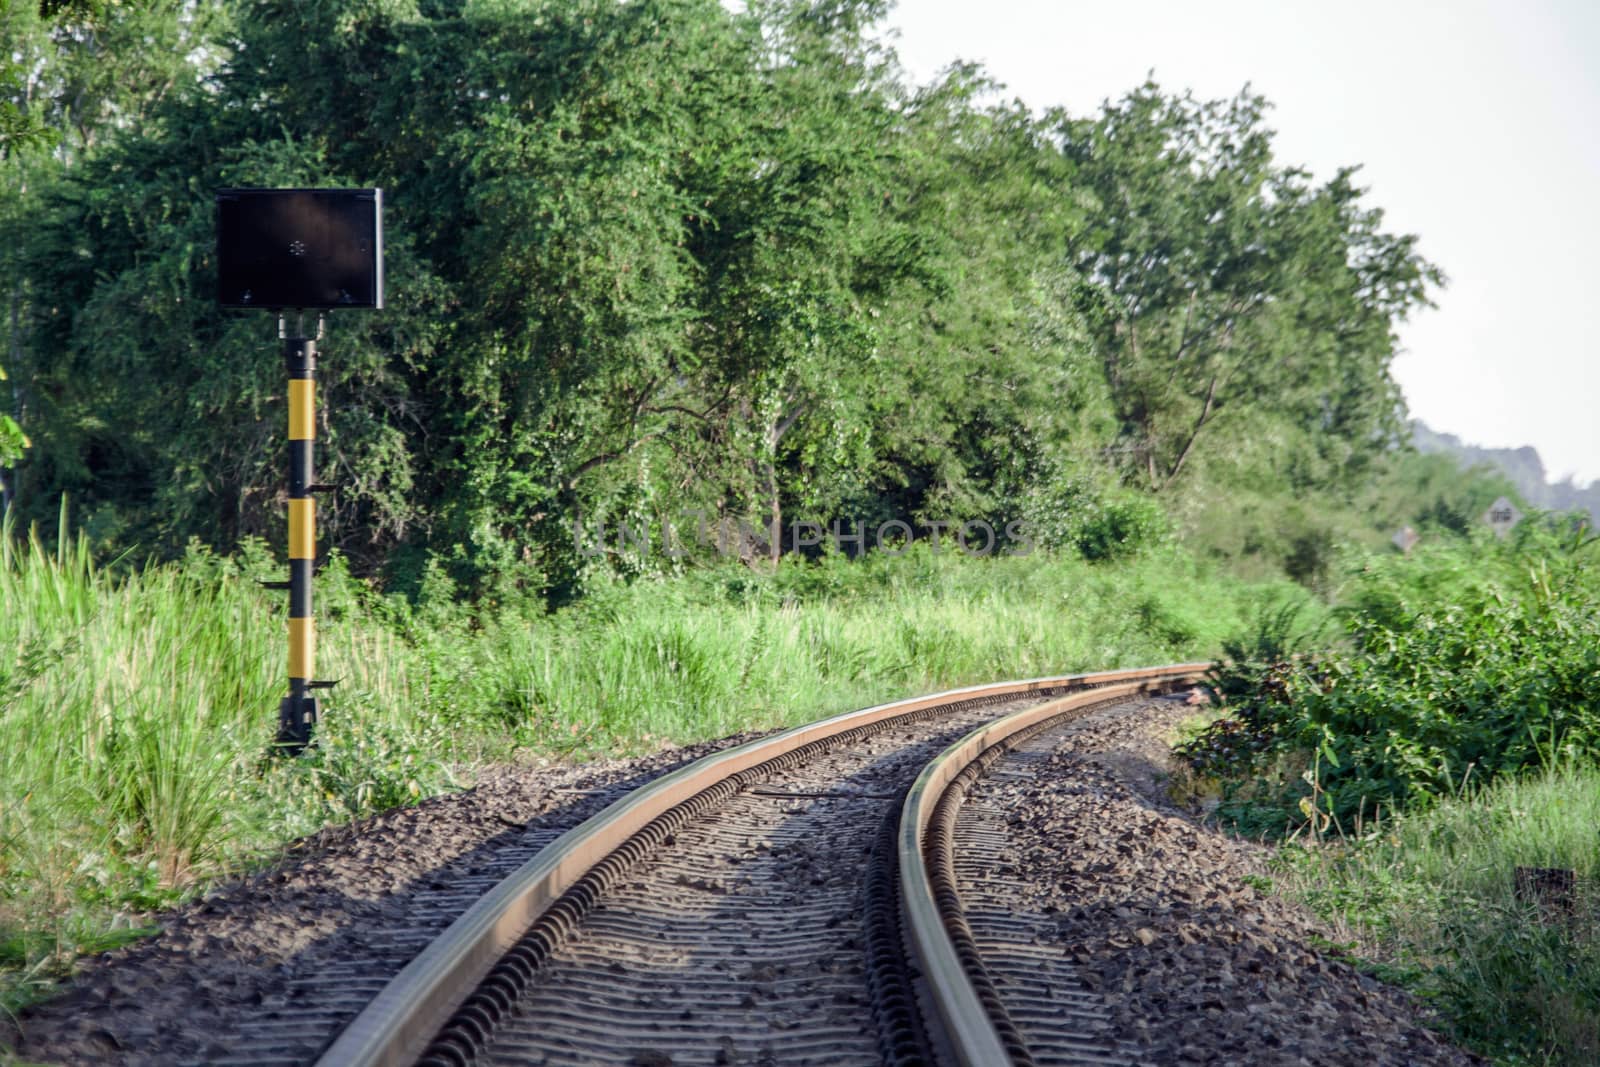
<point x="792" y="900"/>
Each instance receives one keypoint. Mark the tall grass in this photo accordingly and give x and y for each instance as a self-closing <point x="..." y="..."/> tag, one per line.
<point x="729" y="650"/>
<point x="134" y="718"/>
<point x="1433" y="896"/>
<point x="139" y="705"/>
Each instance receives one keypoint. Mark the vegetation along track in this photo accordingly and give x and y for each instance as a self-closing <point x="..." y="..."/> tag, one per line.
<point x="713" y="915"/>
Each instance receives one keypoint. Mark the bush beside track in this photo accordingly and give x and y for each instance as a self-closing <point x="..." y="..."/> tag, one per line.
<point x="1450" y="736"/>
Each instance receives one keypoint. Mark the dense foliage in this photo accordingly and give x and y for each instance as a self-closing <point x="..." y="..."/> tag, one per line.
<point x="657" y="258"/>
<point x="1448" y="738"/>
<point x="1458" y="667"/>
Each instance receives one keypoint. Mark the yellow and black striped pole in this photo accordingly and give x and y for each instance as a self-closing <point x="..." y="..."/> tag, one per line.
<point x="298" y="713"/>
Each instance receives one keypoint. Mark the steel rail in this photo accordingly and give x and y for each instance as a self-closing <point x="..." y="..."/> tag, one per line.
<point x="397" y="1025"/>
<point x="956" y="987"/>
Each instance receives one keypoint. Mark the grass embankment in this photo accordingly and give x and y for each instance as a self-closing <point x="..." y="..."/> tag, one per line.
<point x="1431" y="898"/>
<point x="138" y="706"/>
<point x="1451" y="737"/>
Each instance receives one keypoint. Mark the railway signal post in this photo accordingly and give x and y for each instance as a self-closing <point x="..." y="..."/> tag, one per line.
<point x="298" y="712"/>
<point x="300" y="250"/>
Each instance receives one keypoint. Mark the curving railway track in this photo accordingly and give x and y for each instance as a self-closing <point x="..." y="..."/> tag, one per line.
<point x="964" y="878"/>
<point x="745" y="908"/>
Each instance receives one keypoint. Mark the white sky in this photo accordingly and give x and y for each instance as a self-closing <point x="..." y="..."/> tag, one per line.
<point x="1478" y="127"/>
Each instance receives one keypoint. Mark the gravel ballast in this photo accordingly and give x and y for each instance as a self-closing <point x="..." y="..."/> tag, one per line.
<point x="1160" y="918"/>
<point x="286" y="958"/>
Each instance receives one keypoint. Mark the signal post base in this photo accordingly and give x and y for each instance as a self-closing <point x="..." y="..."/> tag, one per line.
<point x="297" y="721"/>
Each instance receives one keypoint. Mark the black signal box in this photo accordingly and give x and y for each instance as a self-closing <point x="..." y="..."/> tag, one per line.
<point x="300" y="248"/>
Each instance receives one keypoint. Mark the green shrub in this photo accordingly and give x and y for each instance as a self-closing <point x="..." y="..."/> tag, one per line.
<point x="1124" y="525"/>
<point x="1461" y="666"/>
<point x="1071" y="513"/>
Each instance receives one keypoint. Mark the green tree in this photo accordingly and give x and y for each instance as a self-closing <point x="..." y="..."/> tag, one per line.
<point x="1228" y="287"/>
<point x="161" y="414"/>
<point x="73" y="75"/>
<point x="995" y="397"/>
<point x="655" y="256"/>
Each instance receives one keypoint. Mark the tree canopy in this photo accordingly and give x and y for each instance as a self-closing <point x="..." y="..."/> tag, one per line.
<point x="655" y="258"/>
